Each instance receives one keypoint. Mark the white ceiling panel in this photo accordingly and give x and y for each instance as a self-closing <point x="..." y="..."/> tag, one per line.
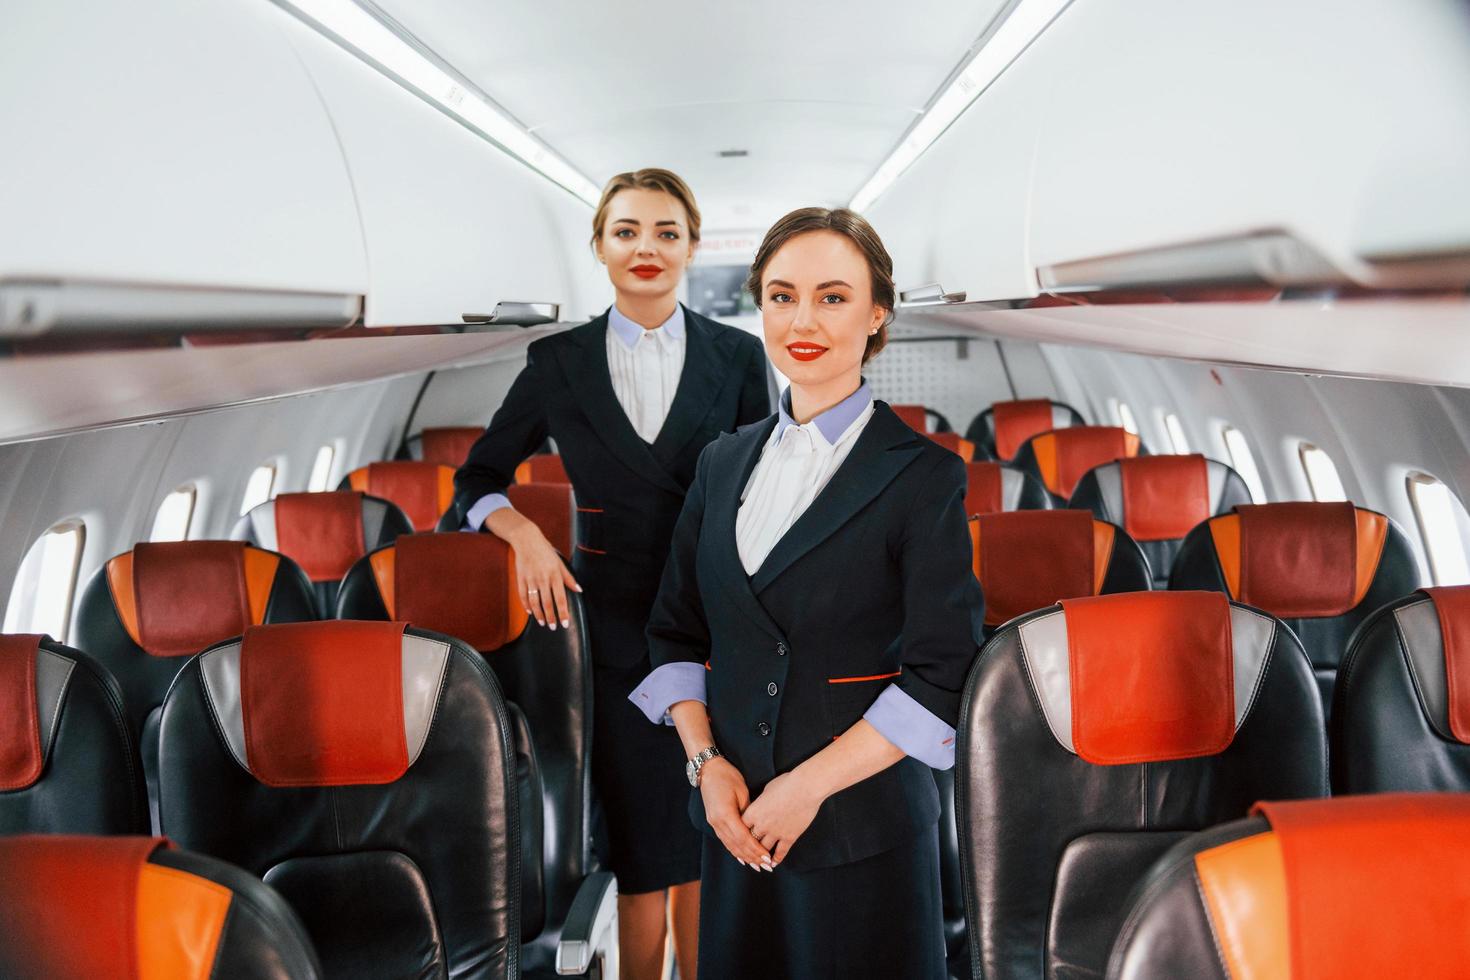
<point x="816" y="92"/>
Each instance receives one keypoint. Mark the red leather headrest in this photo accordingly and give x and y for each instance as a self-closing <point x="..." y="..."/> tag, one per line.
<point x="448" y="446"/>
<point x="321" y="532"/>
<point x="93" y="908"/>
<point x="1152" y="676"/>
<point x="20" y="726"/>
<point x="423" y="490"/>
<point x="456" y="583"/>
<point x="1299" y="560"/>
<point x="550" y="507"/>
<point x="1017" y="421"/>
<point x="983" y="491"/>
<point x="1369" y="886"/>
<point x="1029" y="559"/>
<point x="963" y="448"/>
<point x="1164" y="496"/>
<point x="1065" y="455"/>
<point x="542" y="468"/>
<point x="322" y="703"/>
<point x="1452" y="604"/>
<point x="912" y="415"/>
<point x="176" y="598"/>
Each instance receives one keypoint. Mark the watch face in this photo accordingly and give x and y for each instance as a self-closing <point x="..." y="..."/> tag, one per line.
<point x="691" y="773"/>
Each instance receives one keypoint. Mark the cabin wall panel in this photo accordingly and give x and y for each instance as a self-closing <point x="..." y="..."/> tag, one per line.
<point x="466" y="396"/>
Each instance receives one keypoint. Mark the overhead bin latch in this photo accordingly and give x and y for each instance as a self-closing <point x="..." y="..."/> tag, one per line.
<point x="517" y="314"/>
<point x="931" y="292"/>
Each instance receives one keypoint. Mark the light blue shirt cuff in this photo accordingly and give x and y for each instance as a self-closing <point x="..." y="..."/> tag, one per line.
<point x="482" y="509"/>
<point x="912" y="727"/>
<point x="667" y="686"/>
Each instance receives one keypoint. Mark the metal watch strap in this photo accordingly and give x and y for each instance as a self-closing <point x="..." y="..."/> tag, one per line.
<point x="694" y="765"/>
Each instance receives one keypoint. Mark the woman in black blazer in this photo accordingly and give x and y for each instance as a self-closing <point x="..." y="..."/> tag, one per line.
<point x="631" y="399"/>
<point x="811" y="637"/>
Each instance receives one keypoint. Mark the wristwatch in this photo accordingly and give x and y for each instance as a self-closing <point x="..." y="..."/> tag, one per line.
<point x="692" y="767"/>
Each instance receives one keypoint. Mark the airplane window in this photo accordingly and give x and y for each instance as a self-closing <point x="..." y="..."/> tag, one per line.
<point x="260" y="488"/>
<point x="1244" y="462"/>
<point x="1176" y="433"/>
<point x="171" y="523"/>
<point x="40" y="598"/>
<point x="1125" y="417"/>
<point x="321" y="470"/>
<point x="1321" y="474"/>
<point x="1442" y="524"/>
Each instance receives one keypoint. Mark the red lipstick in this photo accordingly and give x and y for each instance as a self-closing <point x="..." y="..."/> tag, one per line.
<point x="646" y="271"/>
<point x="803" y="351"/>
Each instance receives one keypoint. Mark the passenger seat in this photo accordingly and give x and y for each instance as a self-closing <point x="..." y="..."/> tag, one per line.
<point x="995" y="487"/>
<point x="445" y="446"/>
<point x="917" y="417"/>
<point x="1320" y="567"/>
<point x="1401" y="711"/>
<point x="1001" y="430"/>
<point x="98" y="908"/>
<point x="324" y="533"/>
<point x="1096" y="735"/>
<point x="542" y="468"/>
<point x="963" y="448"/>
<point x="68" y="762"/>
<point x="1061" y="458"/>
<point x="1366" y="886"/>
<point x="1160" y="499"/>
<point x="423" y="490"/>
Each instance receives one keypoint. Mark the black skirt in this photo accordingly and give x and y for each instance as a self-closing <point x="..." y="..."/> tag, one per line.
<point x="880" y="917"/>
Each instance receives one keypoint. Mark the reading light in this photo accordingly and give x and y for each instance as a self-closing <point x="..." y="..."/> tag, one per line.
<point x="1026" y="20"/>
<point x="366" y="35"/>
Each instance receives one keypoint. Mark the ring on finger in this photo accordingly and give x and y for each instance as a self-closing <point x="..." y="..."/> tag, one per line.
<point x="532" y="591"/>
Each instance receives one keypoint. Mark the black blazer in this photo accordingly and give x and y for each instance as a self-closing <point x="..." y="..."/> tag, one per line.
<point x="874" y="578"/>
<point x="628" y="492"/>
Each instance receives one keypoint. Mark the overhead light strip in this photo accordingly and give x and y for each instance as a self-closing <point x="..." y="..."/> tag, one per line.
<point x="1004" y="44"/>
<point x="369" y="35"/>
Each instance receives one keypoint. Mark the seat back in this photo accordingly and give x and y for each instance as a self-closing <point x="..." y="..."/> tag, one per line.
<point x="995" y="487"/>
<point x="1160" y="499"/>
<point x="1320" y="567"/>
<point x="552" y="508"/>
<point x="542" y="468"/>
<point x="1062" y="457"/>
<point x="324" y="533"/>
<point x="917" y="417"/>
<point x="68" y="762"/>
<point x="963" y="448"/>
<point x="148" y="610"/>
<point x="464" y="585"/>
<point x="444" y="445"/>
<point x="125" y="908"/>
<point x="422" y="490"/>
<point x="1095" y="735"/>
<point x="1368" y="886"/>
<point x="1001" y="430"/>
<point x="365" y="771"/>
<point x="1027" y="560"/>
<point x="1401" y="709"/>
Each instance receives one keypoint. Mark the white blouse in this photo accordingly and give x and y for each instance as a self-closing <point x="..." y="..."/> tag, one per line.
<point x="796" y="463"/>
<point x="645" y="366"/>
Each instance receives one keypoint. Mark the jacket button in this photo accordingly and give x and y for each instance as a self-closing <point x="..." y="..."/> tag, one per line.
<point x="763" y="728"/>
<point x="780" y="649"/>
<point x="771" y="689"/>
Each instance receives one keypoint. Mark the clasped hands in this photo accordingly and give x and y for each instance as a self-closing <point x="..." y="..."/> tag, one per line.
<point x="757" y="834"/>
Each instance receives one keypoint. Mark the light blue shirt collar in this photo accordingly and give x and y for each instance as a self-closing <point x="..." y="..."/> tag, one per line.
<point x="834" y="421"/>
<point x="628" y="332"/>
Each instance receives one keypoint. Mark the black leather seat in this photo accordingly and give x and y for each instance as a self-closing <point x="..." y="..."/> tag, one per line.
<point x="463" y="585"/>
<point x="324" y="533"/>
<point x="68" y="761"/>
<point x="542" y="468"/>
<point x="365" y="771"/>
<point x="445" y="445"/>
<point x="1096" y="735"/>
<point x="1365" y="886"/>
<point x="1160" y="499"/>
<point x="422" y="490"/>
<point x="1001" y="430"/>
<point x="99" y="908"/>
<point x="922" y="418"/>
<point x="149" y="609"/>
<point x="1061" y="458"/>
<point x="552" y="507"/>
<point x="963" y="448"/>
<point x="1320" y="567"/>
<point x="1400" y="715"/>
<point x="995" y="487"/>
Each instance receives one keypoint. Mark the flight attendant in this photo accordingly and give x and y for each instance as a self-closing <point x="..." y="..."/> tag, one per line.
<point x="811" y="637"/>
<point x="631" y="399"/>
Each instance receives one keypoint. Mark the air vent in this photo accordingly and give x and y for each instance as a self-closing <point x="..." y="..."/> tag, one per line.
<point x="734" y="153"/>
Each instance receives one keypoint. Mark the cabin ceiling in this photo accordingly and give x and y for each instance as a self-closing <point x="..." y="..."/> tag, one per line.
<point x="818" y="93"/>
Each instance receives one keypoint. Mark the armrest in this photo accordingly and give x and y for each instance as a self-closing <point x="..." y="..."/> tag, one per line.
<point x="591" y="927"/>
